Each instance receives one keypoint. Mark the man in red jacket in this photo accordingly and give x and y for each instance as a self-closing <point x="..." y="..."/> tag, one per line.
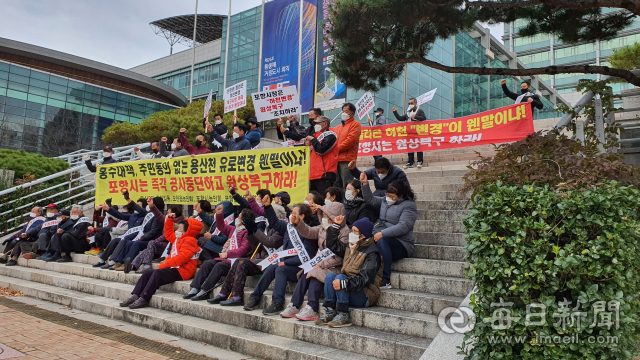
<point x="180" y="265"/>
<point x="201" y="144"/>
<point x="324" y="156"/>
<point x="348" y="140"/>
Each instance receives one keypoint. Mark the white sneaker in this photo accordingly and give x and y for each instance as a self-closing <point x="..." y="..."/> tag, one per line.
<point x="419" y="164"/>
<point x="408" y="166"/>
<point x="290" y="311"/>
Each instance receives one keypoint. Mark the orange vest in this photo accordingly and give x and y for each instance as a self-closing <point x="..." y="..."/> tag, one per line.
<point x="328" y="162"/>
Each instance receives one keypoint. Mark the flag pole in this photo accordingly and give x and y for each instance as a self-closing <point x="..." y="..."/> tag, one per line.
<point x="193" y="61"/>
<point x="226" y="49"/>
<point x="261" y="41"/>
<point x="300" y="54"/>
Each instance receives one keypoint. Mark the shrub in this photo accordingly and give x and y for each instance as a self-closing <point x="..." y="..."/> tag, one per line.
<point x="551" y="225"/>
<point x="24" y="163"/>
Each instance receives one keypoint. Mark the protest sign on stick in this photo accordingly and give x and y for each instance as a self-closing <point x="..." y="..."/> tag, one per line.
<point x="235" y="96"/>
<point x="273" y="104"/>
<point x="365" y="104"/>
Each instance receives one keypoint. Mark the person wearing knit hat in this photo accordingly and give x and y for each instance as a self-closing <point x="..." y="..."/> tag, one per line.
<point x="358" y="284"/>
<point x="281" y="201"/>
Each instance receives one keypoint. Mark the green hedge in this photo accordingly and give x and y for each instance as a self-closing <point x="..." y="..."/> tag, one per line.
<point x="23" y="162"/>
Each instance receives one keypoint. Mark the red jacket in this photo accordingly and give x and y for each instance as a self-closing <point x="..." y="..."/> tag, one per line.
<point x="186" y="247"/>
<point x="244" y="248"/>
<point x="324" y="154"/>
<point x="195" y="150"/>
<point x="348" y="139"/>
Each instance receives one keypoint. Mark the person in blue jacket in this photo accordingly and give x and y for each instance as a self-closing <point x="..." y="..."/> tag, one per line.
<point x="382" y="174"/>
<point x="255" y="134"/>
<point x="239" y="141"/>
<point x="287" y="268"/>
<point x="28" y="233"/>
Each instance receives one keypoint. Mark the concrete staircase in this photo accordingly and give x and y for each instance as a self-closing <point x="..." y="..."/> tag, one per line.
<point x="400" y="326"/>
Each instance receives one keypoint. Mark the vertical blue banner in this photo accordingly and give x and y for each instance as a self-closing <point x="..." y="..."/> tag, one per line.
<point x="280" y="43"/>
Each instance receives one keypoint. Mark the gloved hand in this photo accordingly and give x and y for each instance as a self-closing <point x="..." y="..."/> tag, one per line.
<point x="250" y="225"/>
<point x="87" y="158"/>
<point x="105" y="229"/>
<point x="6" y="242"/>
<point x="126" y="194"/>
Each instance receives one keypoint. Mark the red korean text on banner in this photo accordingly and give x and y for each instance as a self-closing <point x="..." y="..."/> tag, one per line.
<point x="507" y="124"/>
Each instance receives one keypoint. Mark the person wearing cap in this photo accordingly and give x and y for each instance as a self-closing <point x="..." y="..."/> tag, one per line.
<point x="348" y="133"/>
<point x="281" y="201"/>
<point x="74" y="239"/>
<point x="239" y="141"/>
<point x="47" y="230"/>
<point x="255" y="134"/>
<point x="28" y="233"/>
<point x="201" y="144"/>
<point x="65" y="224"/>
<point x="358" y="284"/>
<point x="324" y="155"/>
<point x="379" y="117"/>
<point x="158" y="150"/>
<point x="218" y="127"/>
<point x="107" y="158"/>
<point x="291" y="129"/>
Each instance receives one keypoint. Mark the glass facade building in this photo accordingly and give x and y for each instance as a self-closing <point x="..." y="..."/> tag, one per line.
<point x="52" y="114"/>
<point x="205" y="78"/>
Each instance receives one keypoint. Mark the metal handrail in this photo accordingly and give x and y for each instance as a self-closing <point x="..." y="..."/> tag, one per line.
<point x="116" y="150"/>
<point x="47" y="189"/>
<point x="54" y="196"/>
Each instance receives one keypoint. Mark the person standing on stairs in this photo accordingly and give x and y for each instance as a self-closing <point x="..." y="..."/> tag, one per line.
<point x="393" y="232"/>
<point x="348" y="133"/>
<point x="525" y="96"/>
<point x="413" y="114"/>
<point x="107" y="158"/>
<point x="181" y="263"/>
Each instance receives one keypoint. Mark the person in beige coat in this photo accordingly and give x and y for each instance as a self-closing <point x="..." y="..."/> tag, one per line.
<point x="330" y="264"/>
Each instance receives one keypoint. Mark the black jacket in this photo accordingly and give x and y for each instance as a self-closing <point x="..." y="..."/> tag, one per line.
<point x="382" y="185"/>
<point x="220" y="130"/>
<point x="420" y="116"/>
<point x="78" y="232"/>
<point x="295" y="132"/>
<point x="107" y="161"/>
<point x="357" y="209"/>
<point x="370" y="267"/>
<point x="311" y="246"/>
<point x="536" y="99"/>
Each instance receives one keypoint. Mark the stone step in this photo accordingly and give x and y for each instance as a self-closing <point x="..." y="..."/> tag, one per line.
<point x="440" y="252"/>
<point x="365" y="333"/>
<point x="430" y="204"/>
<point x="435" y="172"/>
<point x="439" y="238"/>
<point x="415" y="301"/>
<point x="436" y="180"/>
<point x="422" y="188"/>
<point x="441" y="215"/>
<point x="250" y="342"/>
<point x="431" y="284"/>
<point x="438" y="226"/>
<point x="430" y="267"/>
<point x="441" y="195"/>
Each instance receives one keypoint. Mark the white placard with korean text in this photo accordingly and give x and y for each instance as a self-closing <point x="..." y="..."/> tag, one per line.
<point x="426" y="97"/>
<point x="365" y="104"/>
<point x="277" y="103"/>
<point x="235" y="96"/>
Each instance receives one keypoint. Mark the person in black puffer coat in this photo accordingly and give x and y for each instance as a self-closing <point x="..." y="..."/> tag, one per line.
<point x="355" y="206"/>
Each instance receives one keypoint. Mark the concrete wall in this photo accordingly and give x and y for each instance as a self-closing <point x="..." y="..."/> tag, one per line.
<point x="183" y="59"/>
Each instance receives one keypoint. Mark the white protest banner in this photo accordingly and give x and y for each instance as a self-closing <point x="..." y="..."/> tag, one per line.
<point x="235" y="97"/>
<point x="290" y="143"/>
<point x="272" y="104"/>
<point x="207" y="104"/>
<point x="426" y="97"/>
<point x="365" y="104"/>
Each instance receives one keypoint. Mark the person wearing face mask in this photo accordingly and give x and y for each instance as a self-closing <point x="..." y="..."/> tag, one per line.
<point x="324" y="156"/>
<point x="237" y="246"/>
<point x="28" y="233"/>
<point x="158" y="150"/>
<point x="47" y="230"/>
<point x="254" y="134"/>
<point x="355" y="206"/>
<point x="217" y="127"/>
<point x="75" y="239"/>
<point x="239" y="141"/>
<point x="348" y="139"/>
<point x="210" y="243"/>
<point x="65" y="224"/>
<point x="314" y="199"/>
<point x="413" y="114"/>
<point x="525" y="95"/>
<point x="107" y="158"/>
<point x="200" y="145"/>
<point x="358" y="284"/>
<point x="181" y="263"/>
<point x="379" y="120"/>
<point x="177" y="148"/>
<point x="281" y="201"/>
<point x="332" y="264"/>
<point x="333" y="195"/>
<point x="382" y="174"/>
<point x="393" y="232"/>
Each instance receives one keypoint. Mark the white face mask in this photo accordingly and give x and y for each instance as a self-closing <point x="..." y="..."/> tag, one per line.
<point x="60" y="219"/>
<point x="50" y="214"/>
<point x="236" y="135"/>
<point x="317" y="128"/>
<point x="74" y="217"/>
<point x="173" y="146"/>
<point x="135" y="211"/>
<point x="106" y="154"/>
<point x="306" y="202"/>
<point x="32" y="215"/>
<point x="148" y="208"/>
<point x="218" y="122"/>
<point x="389" y="201"/>
<point x="195" y="213"/>
<point x="178" y="234"/>
<point x="349" y="195"/>
<point x="288" y="123"/>
<point x="345" y="116"/>
<point x="325" y="221"/>
<point x="327" y="201"/>
<point x="382" y="176"/>
<point x="237" y="222"/>
<point x="290" y="217"/>
<point x="353" y="238"/>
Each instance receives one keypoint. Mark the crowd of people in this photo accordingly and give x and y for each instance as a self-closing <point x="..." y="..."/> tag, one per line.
<point x="338" y="244"/>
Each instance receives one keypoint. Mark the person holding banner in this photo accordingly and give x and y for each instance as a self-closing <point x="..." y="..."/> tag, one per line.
<point x="326" y="263"/>
<point x="201" y="145"/>
<point x="255" y="134"/>
<point x="348" y="139"/>
<point x="283" y="266"/>
<point x="219" y="128"/>
<point x="236" y="247"/>
<point x="292" y="128"/>
<point x="239" y="141"/>
<point x="75" y="239"/>
<point x="181" y="263"/>
<point x="414" y="113"/>
<point x="358" y="284"/>
<point x="525" y="96"/>
<point x="28" y="233"/>
<point x="324" y="156"/>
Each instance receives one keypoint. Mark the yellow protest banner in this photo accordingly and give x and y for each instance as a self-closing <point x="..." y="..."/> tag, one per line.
<point x="187" y="179"/>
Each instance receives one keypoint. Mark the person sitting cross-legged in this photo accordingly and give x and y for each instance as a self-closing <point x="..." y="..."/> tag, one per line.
<point x="358" y="284"/>
<point x="180" y="265"/>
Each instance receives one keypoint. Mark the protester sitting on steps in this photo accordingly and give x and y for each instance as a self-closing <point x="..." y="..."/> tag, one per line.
<point x="28" y="233"/>
<point x="94" y="229"/>
<point x="64" y="224"/>
<point x="47" y="230"/>
<point x="314" y="198"/>
<point x="282" y="269"/>
<point x="281" y="200"/>
<point x="201" y="145"/>
<point x="110" y="233"/>
<point x="358" y="285"/>
<point x="382" y="174"/>
<point x="239" y="141"/>
<point x="333" y="194"/>
<point x="332" y="264"/>
<point x="354" y="205"/>
<point x="107" y="158"/>
<point x="217" y="127"/>
<point x="236" y="247"/>
<point x="177" y="148"/>
<point x="155" y="248"/>
<point x="210" y="244"/>
<point x="180" y="265"/>
<point x="393" y="232"/>
<point x="73" y="240"/>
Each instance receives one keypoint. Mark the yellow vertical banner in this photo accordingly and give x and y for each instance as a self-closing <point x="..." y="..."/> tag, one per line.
<point x="187" y="179"/>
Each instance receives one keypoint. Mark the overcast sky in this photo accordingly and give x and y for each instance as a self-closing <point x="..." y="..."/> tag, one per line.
<point x="115" y="32"/>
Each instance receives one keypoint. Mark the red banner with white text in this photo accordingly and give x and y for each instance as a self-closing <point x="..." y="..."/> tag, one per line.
<point x="507" y="124"/>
